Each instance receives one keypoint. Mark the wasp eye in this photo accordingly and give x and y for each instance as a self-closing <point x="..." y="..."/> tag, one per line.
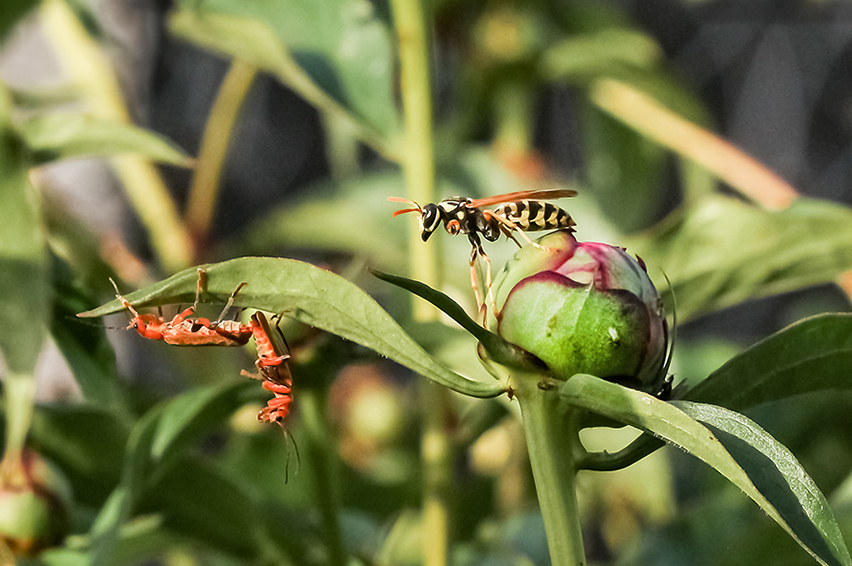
<point x="429" y="221"/>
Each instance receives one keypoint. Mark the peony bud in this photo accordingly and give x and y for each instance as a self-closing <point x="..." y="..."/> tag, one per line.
<point x="34" y="513"/>
<point x="583" y="308"/>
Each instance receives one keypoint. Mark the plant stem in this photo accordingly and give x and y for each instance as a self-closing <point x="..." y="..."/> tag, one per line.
<point x="204" y="189"/>
<point x="318" y="442"/>
<point x="91" y="72"/>
<point x="553" y="445"/>
<point x="418" y="163"/>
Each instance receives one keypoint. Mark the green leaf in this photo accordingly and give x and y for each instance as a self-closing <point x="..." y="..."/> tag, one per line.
<point x="83" y="345"/>
<point x="669" y="423"/>
<point x="199" y="501"/>
<point x="501" y="351"/>
<point x="87" y="442"/>
<point x="67" y="135"/>
<point x="25" y="301"/>
<point x="11" y="11"/>
<point x="779" y="477"/>
<point x="192" y="413"/>
<point x="588" y="55"/>
<point x="312" y="296"/>
<point x="370" y="232"/>
<point x="618" y="157"/>
<point x="336" y="54"/>
<point x="723" y="251"/>
<point x="813" y="354"/>
<point x="156" y="443"/>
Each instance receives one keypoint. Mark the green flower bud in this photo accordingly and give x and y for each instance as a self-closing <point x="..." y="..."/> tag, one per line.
<point x="34" y="508"/>
<point x="583" y="308"/>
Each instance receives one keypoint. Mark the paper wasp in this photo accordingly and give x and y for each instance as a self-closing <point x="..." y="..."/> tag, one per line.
<point x="523" y="211"/>
<point x="185" y="331"/>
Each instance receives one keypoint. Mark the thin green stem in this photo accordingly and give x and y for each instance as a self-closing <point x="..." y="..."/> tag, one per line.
<point x="418" y="163"/>
<point x="204" y="189"/>
<point x="19" y="400"/>
<point x="92" y="75"/>
<point x="553" y="446"/>
<point x="318" y="440"/>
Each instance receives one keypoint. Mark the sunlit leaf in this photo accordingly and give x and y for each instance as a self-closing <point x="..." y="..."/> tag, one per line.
<point x="66" y="135"/>
<point x="312" y="296"/>
<point x="724" y="251"/>
<point x="337" y="54"/>
<point x="778" y="476"/>
<point x="669" y="423"/>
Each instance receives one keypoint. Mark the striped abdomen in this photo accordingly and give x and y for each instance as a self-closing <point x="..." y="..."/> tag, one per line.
<point x="533" y="215"/>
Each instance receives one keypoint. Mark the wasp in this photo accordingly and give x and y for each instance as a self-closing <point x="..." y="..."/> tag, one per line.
<point x="522" y="211"/>
<point x="185" y="331"/>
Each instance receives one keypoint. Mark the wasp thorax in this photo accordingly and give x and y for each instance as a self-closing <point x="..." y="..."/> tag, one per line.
<point x="583" y="307"/>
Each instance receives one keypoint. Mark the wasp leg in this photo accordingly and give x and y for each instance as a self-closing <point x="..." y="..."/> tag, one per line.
<point x="488" y="287"/>
<point x="476" y="250"/>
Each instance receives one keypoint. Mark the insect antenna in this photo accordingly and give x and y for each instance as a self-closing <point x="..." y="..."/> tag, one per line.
<point x="417" y="207"/>
<point x="291" y="440"/>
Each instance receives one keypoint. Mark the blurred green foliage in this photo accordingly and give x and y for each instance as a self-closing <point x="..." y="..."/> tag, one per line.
<point x="161" y="446"/>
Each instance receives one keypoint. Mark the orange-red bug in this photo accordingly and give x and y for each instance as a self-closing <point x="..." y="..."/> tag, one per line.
<point x="273" y="354"/>
<point x="185" y="331"/>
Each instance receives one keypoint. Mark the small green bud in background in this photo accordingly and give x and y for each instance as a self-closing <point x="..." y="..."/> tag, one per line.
<point x="34" y="509"/>
<point x="583" y="307"/>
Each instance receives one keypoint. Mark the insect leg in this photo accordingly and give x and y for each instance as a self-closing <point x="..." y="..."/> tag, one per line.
<point x="475" y="250"/>
<point x="230" y="302"/>
<point x="125" y="303"/>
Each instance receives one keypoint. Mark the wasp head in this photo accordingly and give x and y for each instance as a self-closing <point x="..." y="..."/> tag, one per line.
<point x="430" y="219"/>
<point x="430" y="216"/>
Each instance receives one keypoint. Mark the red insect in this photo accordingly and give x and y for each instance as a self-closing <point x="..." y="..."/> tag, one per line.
<point x="185" y="331"/>
<point x="272" y="355"/>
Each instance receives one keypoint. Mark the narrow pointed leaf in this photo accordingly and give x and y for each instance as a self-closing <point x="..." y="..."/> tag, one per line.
<point x="813" y="354"/>
<point x="722" y="251"/>
<point x="779" y="477"/>
<point x="66" y="135"/>
<point x="312" y="296"/>
<point x="666" y="421"/>
<point x="502" y="352"/>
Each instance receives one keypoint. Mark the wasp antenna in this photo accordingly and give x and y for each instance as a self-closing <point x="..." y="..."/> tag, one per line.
<point x="403" y="211"/>
<point x="417" y="207"/>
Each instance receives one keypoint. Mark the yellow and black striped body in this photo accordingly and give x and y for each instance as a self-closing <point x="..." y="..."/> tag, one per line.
<point x="534" y="215"/>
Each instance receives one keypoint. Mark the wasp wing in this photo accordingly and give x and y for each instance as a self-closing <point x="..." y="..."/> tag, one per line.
<point x="543" y="194"/>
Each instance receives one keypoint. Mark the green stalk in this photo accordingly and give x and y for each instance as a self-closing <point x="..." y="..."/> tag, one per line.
<point x="554" y="448"/>
<point x="91" y="73"/>
<point x="515" y="116"/>
<point x="418" y="163"/>
<point x="318" y="439"/>
<point x="204" y="190"/>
